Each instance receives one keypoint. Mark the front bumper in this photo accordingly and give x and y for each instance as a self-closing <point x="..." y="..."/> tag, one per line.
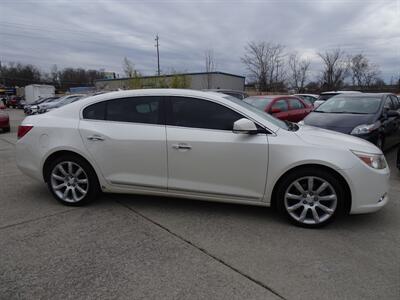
<point x="369" y="188"/>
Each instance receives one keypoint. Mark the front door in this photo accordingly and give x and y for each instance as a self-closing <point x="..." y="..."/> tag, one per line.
<point x="207" y="158"/>
<point x="126" y="138"/>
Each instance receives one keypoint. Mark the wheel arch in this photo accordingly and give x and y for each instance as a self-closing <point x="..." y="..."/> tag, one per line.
<point x="344" y="182"/>
<point x="58" y="153"/>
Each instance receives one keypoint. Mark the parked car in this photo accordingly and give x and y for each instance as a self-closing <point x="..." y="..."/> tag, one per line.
<point x="4" y="121"/>
<point x="285" y="107"/>
<point x="13" y="101"/>
<point x="237" y="94"/>
<point x="33" y="108"/>
<point x="327" y="95"/>
<point x="373" y="117"/>
<point x="309" y="98"/>
<point x="193" y="144"/>
<point x="47" y="106"/>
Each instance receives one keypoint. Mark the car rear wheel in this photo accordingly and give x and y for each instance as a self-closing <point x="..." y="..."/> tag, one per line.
<point x="310" y="197"/>
<point x="7" y="129"/>
<point x="72" y="181"/>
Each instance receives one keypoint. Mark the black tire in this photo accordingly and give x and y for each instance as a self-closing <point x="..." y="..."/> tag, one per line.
<point x="93" y="187"/>
<point x="7" y="129"/>
<point x="327" y="176"/>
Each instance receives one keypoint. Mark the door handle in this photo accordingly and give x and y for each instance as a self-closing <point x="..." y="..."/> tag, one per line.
<point x="181" y="146"/>
<point x="95" y="138"/>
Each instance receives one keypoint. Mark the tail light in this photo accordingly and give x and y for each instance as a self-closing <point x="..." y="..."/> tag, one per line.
<point x="23" y="130"/>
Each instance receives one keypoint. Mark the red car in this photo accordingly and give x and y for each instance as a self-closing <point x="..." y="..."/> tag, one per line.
<point x="288" y="108"/>
<point x="4" y="122"/>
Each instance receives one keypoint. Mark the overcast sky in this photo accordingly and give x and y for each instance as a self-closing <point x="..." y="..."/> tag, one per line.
<point x="98" y="34"/>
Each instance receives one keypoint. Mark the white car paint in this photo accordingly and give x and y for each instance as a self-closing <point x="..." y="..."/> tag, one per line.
<point x="220" y="165"/>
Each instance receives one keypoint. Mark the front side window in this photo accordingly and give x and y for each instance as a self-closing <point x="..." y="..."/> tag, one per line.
<point x="281" y="105"/>
<point x="295" y="104"/>
<point x="388" y="103"/>
<point x="198" y="113"/>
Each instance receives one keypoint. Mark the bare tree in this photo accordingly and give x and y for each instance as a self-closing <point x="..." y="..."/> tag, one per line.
<point x="210" y="66"/>
<point x="335" y="69"/>
<point x="298" y="72"/>
<point x="265" y="62"/>
<point x="129" y="68"/>
<point x="363" y="72"/>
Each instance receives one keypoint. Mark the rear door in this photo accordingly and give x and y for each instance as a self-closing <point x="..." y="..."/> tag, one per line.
<point x="283" y="108"/>
<point x="205" y="157"/>
<point x="126" y="138"/>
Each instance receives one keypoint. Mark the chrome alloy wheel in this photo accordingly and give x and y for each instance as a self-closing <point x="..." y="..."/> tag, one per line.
<point x="310" y="200"/>
<point x="69" y="181"/>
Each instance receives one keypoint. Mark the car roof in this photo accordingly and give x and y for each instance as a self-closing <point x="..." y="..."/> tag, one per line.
<point x="77" y="106"/>
<point x="341" y="92"/>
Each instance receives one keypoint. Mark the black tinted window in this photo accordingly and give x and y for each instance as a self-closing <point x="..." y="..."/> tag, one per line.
<point x="135" y="109"/>
<point x="95" y="111"/>
<point x="191" y="112"/>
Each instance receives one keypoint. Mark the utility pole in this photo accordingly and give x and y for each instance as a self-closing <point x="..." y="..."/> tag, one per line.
<point x="158" y="55"/>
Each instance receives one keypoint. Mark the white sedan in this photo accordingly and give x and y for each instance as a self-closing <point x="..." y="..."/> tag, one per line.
<point x="200" y="145"/>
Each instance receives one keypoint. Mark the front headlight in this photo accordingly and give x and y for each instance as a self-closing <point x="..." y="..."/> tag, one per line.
<point x="365" y="128"/>
<point x="301" y="122"/>
<point x="375" y="161"/>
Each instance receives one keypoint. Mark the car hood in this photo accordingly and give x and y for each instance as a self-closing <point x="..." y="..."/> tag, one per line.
<point x="331" y="139"/>
<point x="344" y="123"/>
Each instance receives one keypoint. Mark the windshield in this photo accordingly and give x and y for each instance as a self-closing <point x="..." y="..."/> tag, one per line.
<point x="351" y="105"/>
<point x="326" y="96"/>
<point x="259" y="112"/>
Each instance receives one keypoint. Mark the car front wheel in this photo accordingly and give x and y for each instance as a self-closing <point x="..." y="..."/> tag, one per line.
<point x="310" y="197"/>
<point x="72" y="181"/>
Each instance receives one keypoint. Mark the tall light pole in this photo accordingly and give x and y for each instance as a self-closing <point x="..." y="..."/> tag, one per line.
<point x="158" y="55"/>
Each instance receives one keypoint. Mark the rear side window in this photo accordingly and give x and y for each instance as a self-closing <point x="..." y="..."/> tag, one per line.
<point x="281" y="105"/>
<point x="198" y="113"/>
<point x="95" y="111"/>
<point x="135" y="110"/>
<point x="295" y="104"/>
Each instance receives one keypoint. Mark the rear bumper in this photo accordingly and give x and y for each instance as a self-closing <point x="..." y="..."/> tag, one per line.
<point x="27" y="161"/>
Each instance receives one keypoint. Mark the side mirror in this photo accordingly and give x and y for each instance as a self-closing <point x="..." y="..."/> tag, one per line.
<point x="392" y="113"/>
<point x="245" y="126"/>
<point x="275" y="110"/>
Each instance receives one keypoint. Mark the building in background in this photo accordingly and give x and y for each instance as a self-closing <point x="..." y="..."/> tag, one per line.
<point x="196" y="81"/>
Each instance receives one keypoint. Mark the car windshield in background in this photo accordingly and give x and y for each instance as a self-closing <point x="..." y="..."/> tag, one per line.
<point x="259" y="112"/>
<point x="350" y="105"/>
<point x="326" y="96"/>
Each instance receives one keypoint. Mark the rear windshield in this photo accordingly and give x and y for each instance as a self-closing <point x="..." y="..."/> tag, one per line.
<point x="351" y="105"/>
<point x="259" y="102"/>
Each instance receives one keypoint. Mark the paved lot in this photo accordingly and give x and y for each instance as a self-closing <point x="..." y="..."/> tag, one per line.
<point x="141" y="247"/>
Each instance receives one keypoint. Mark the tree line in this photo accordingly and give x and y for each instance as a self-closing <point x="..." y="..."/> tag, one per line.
<point x="272" y="69"/>
<point x="18" y="74"/>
